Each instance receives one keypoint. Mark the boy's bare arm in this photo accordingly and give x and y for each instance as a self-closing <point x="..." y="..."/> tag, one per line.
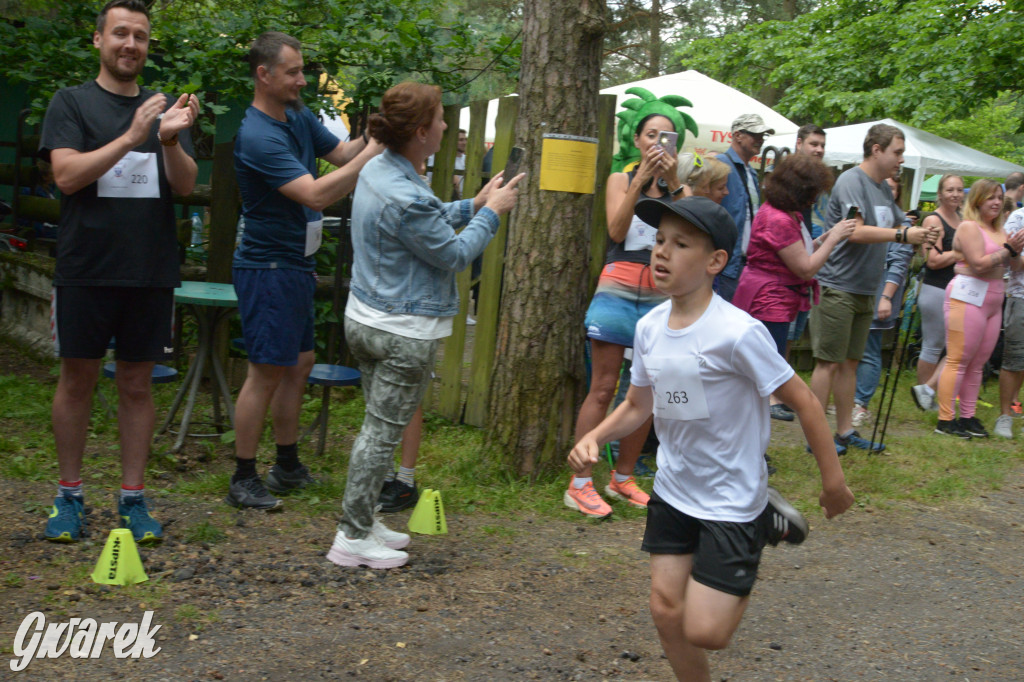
<point x="836" y="496"/>
<point x="627" y="418"/>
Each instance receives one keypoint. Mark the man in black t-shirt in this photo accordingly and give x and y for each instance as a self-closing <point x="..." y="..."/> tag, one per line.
<point x="118" y="153"/>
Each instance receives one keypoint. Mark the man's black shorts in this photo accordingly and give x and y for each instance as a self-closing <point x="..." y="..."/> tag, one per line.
<point x="140" y="320"/>
<point x="725" y="554"/>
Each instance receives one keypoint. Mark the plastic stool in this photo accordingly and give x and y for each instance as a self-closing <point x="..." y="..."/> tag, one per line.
<point x="328" y="376"/>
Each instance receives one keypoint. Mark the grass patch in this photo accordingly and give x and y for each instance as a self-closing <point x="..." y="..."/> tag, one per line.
<point x="204" y="532"/>
<point x="917" y="466"/>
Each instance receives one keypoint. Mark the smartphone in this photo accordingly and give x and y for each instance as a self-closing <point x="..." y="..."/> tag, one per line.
<point x="852" y="212"/>
<point x="515" y="158"/>
<point x="667" y="141"/>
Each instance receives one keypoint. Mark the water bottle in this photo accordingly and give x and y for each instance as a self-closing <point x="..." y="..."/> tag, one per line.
<point x="197" y="230"/>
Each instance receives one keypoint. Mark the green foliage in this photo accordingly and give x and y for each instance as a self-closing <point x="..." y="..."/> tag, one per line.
<point x="200" y="46"/>
<point x="919" y="61"/>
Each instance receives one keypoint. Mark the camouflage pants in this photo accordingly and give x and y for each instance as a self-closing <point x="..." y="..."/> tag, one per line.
<point x="396" y="373"/>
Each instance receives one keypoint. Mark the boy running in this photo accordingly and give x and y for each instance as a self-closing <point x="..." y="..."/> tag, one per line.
<point x="705" y="369"/>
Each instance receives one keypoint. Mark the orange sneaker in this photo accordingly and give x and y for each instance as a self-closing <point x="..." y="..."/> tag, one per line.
<point x="586" y="500"/>
<point x="629" y="491"/>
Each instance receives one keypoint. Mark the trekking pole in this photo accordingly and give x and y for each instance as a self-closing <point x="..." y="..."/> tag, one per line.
<point x="899" y="358"/>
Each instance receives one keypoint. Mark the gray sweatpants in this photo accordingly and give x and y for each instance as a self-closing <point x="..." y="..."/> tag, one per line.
<point x="396" y="374"/>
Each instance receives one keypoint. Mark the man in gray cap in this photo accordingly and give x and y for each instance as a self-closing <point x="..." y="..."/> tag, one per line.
<point x="748" y="132"/>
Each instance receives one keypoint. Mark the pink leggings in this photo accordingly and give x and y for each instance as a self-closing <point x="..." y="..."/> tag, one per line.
<point x="971" y="334"/>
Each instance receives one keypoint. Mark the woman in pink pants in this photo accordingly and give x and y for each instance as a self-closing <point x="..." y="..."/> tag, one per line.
<point x="973" y="306"/>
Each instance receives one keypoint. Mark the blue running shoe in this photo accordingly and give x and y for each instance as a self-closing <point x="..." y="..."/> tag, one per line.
<point x="856" y="441"/>
<point x="67" y="519"/>
<point x="136" y="517"/>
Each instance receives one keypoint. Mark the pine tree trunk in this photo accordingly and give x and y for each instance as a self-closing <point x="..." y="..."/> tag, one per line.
<point x="539" y="378"/>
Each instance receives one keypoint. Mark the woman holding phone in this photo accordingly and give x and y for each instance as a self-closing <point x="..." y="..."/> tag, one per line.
<point x="782" y="260"/>
<point x="402" y="299"/>
<point x="625" y="293"/>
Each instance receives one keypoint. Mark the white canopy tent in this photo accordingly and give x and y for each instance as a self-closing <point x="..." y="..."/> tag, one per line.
<point x="926" y="153"/>
<point x="715" y="106"/>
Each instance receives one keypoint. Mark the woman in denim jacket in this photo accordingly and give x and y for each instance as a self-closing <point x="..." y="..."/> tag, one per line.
<point x="402" y="299"/>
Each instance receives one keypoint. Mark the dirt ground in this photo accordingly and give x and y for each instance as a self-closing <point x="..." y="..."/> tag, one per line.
<point x="914" y="594"/>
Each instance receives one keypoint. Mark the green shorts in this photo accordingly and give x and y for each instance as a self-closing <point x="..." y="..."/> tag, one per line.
<point x="840" y="324"/>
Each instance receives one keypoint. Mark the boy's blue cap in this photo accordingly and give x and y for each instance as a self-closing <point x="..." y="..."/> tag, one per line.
<point x="700" y="212"/>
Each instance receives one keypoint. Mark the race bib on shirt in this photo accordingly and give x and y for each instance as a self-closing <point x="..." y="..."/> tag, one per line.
<point x="884" y="216"/>
<point x="134" y="176"/>
<point x="969" y="290"/>
<point x="678" y="389"/>
<point x="314" y="236"/>
<point x="640" y="236"/>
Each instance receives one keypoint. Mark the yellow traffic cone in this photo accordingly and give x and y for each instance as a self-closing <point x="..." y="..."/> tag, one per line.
<point x="428" y="516"/>
<point x="119" y="563"/>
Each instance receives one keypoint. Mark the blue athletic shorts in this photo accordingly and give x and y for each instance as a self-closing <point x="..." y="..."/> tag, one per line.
<point x="276" y="306"/>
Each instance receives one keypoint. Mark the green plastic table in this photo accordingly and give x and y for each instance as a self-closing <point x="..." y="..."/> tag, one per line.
<point x="210" y="303"/>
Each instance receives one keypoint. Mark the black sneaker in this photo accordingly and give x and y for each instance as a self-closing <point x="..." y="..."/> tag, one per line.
<point x="281" y="481"/>
<point x="974" y="427"/>
<point x="249" y="493"/>
<point x="779" y="412"/>
<point x="783" y="520"/>
<point x="397" y="496"/>
<point x="951" y="427"/>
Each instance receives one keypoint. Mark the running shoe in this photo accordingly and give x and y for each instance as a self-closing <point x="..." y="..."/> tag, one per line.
<point x="860" y="415"/>
<point x="783" y="520"/>
<point x="781" y="413"/>
<point x="67" y="519"/>
<point x="973" y="426"/>
<point x="628" y="490"/>
<point x="923" y="395"/>
<point x="951" y="427"/>
<point x="392" y="539"/>
<point x="135" y="516"/>
<point x="396" y="496"/>
<point x="369" y="551"/>
<point x="855" y="440"/>
<point x="250" y="493"/>
<point x="281" y="481"/>
<point x="1004" y="426"/>
<point x="586" y="500"/>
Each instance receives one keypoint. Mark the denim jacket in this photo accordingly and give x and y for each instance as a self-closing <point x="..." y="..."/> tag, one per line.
<point x="406" y="252"/>
<point x="737" y="203"/>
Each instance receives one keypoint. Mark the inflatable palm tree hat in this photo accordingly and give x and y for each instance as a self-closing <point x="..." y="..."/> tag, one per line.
<point x="637" y="110"/>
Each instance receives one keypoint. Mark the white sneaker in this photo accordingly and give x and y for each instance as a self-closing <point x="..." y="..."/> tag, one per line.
<point x="924" y="396"/>
<point x="370" y="551"/>
<point x="391" y="538"/>
<point x="1004" y="426"/>
<point x="860" y="415"/>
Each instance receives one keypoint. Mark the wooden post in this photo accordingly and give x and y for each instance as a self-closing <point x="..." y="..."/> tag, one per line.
<point x="450" y="394"/>
<point x="223" y="213"/>
<point x="485" y="339"/>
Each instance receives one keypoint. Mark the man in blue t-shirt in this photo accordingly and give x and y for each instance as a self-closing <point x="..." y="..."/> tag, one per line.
<point x="276" y="155"/>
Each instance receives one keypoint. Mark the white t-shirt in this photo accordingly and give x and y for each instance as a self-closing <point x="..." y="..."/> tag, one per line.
<point x="1015" y="283"/>
<point x="423" y="327"/>
<point x="711" y="384"/>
